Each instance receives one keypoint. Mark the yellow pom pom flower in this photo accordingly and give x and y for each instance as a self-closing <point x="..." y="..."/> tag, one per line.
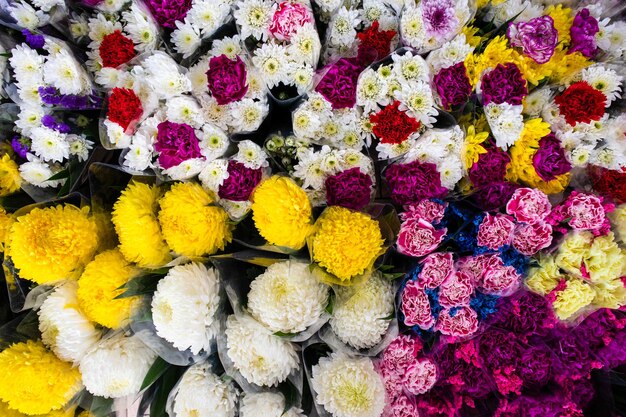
<point x="10" y="179"/>
<point x="135" y="220"/>
<point x="51" y="244"/>
<point x="98" y="287"/>
<point x="576" y="296"/>
<point x="346" y="242"/>
<point x="6" y="221"/>
<point x="192" y="225"/>
<point x="34" y="380"/>
<point x="282" y="212"/>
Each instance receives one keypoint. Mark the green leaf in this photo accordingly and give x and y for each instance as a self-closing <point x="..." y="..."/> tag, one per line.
<point x="65" y="173"/>
<point x="101" y="407"/>
<point x="157" y="369"/>
<point x="281" y="334"/>
<point x="166" y="383"/>
<point x="385" y="268"/>
<point x="394" y="275"/>
<point x="389" y="317"/>
<point x="331" y="304"/>
<point x="142" y="285"/>
<point x="291" y="394"/>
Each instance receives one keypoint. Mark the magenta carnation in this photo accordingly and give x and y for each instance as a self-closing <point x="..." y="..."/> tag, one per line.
<point x="495" y="231"/>
<point x="583" y="34"/>
<point x="413" y="182"/>
<point x="529" y="205"/>
<point x="538" y="37"/>
<point x="436" y="268"/>
<point x="452" y="85"/>
<point x="419" y="238"/>
<point x="176" y="142"/>
<point x="531" y="238"/>
<point x="226" y="79"/>
<point x="288" y="18"/>
<point x="415" y="306"/>
<point x="350" y="188"/>
<point x="456" y="290"/>
<point x="168" y="12"/>
<point x="549" y="160"/>
<point x="504" y="84"/>
<point x="240" y="183"/>
<point x="338" y="85"/>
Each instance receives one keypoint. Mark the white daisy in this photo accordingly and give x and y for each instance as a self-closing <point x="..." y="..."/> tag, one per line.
<point x="251" y="155"/>
<point x="273" y="63"/>
<point x="451" y="53"/>
<point x="26" y="16"/>
<point x="111" y="6"/>
<point x="49" y="144"/>
<point x="214" y="174"/>
<point x="65" y="73"/>
<point x="47" y="5"/>
<point x="394" y="150"/>
<point x="450" y="171"/>
<point x="266" y="404"/>
<point x="257" y="89"/>
<point x="409" y="67"/>
<point x="79" y="147"/>
<point x="208" y="15"/>
<point x="115" y="135"/>
<point x="229" y="46"/>
<point x="342" y="27"/>
<point x="186" y="170"/>
<point x="248" y="114"/>
<point x="79" y="27"/>
<point x="140" y="27"/>
<point x="416" y="98"/>
<point x="309" y="170"/>
<point x="213" y="142"/>
<point x="506" y="123"/>
<point x="303" y="78"/>
<point x="605" y="80"/>
<point x="412" y="28"/>
<point x="371" y="91"/>
<point x="184" y="109"/>
<point x="99" y="27"/>
<point x="305" y="45"/>
<point x="27" y="65"/>
<point x="186" y="38"/>
<point x="236" y="209"/>
<point x="306" y="124"/>
<point x="536" y="101"/>
<point x="214" y="113"/>
<point x="164" y="76"/>
<point x="139" y="155"/>
<point x="37" y="173"/>
<point x="254" y="18"/>
<point x="29" y="118"/>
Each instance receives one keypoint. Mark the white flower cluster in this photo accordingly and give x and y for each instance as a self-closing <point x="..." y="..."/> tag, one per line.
<point x="202" y="20"/>
<point x="287" y="297"/>
<point x="506" y="123"/>
<point x="314" y="167"/>
<point x="518" y="10"/>
<point x="201" y="393"/>
<point x="348" y="387"/>
<point x="450" y="53"/>
<point x="35" y="13"/>
<point x="361" y="312"/>
<point x="50" y="147"/>
<point x="266" y="404"/>
<point x="185" y="305"/>
<point x="261" y="357"/>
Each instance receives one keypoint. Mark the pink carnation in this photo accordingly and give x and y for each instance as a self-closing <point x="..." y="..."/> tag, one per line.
<point x="404" y="406"/>
<point x="529" y="239"/>
<point x="427" y="210"/>
<point x="288" y="18"/>
<point x="474" y="266"/>
<point x="499" y="278"/>
<point x="392" y="380"/>
<point x="495" y="231"/>
<point x="420" y="376"/>
<point x="585" y="211"/>
<point x="456" y="291"/>
<point x="436" y="267"/>
<point x="419" y="238"/>
<point x="401" y="352"/>
<point x="529" y="205"/>
<point x="416" y="306"/>
<point x="457" y="322"/>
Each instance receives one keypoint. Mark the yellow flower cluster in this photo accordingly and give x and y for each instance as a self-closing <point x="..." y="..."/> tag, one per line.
<point x="576" y="296"/>
<point x="192" y="224"/>
<point x="5" y="411"/>
<point x="98" y="287"/>
<point x="6" y="220"/>
<point x="345" y="242"/>
<point x="521" y="168"/>
<point x="34" y="381"/>
<point x="10" y="180"/>
<point x="618" y="221"/>
<point x="135" y="220"/>
<point x="563" y="19"/>
<point x="51" y="244"/>
<point x="473" y="148"/>
<point x="282" y="212"/>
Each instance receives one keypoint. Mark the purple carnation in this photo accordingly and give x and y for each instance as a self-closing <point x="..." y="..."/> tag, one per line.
<point x="338" y="86"/>
<point x="583" y="34"/>
<point x="550" y="161"/>
<point x="176" y="142"/>
<point x="350" y="188"/>
<point x="504" y="84"/>
<point x="614" y="354"/>
<point x="492" y="196"/>
<point x="452" y="85"/>
<point x="240" y="183"/>
<point x="33" y="40"/>
<point x="439" y="18"/>
<point x="527" y="315"/>
<point x="414" y="182"/>
<point x="536" y="368"/>
<point x="490" y="167"/>
<point x="538" y="37"/>
<point x="168" y="12"/>
<point x="20" y="145"/>
<point x="226" y="79"/>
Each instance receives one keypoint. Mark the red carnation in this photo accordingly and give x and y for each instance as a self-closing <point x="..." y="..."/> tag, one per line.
<point x="124" y="107"/>
<point x="581" y="103"/>
<point x="116" y="49"/>
<point x="378" y="41"/>
<point x="392" y="125"/>
<point x="609" y="183"/>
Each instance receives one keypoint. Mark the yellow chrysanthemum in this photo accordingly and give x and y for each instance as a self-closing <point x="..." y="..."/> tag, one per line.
<point x="572" y="299"/>
<point x="34" y="380"/>
<point x="545" y="277"/>
<point x="470" y="35"/>
<point x="135" y="220"/>
<point x="53" y="243"/>
<point x="6" y="221"/>
<point x="192" y="225"/>
<point x="496" y="52"/>
<point x="282" y="212"/>
<point x="5" y="411"/>
<point x="566" y="66"/>
<point x="10" y="180"/>
<point x="85" y="414"/>
<point x="346" y="242"/>
<point x="473" y="148"/>
<point x="98" y="287"/>
<point x="563" y="20"/>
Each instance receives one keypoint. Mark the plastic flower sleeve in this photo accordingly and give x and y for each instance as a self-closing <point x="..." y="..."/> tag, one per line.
<point x="31" y="16"/>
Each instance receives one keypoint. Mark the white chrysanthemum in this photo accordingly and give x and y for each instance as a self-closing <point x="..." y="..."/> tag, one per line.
<point x="117" y="366"/>
<point x="360" y="314"/>
<point x="47" y="5"/>
<point x="27" y="17"/>
<point x="266" y="404"/>
<point x="184" y="307"/>
<point x="100" y="26"/>
<point x="116" y="135"/>
<point x="187" y="169"/>
<point x="164" y="77"/>
<point x="580" y="155"/>
<point x="27" y="65"/>
<point x="186" y="38"/>
<point x="409" y="67"/>
<point x="303" y="78"/>
<point x="140" y="28"/>
<point x="214" y="174"/>
<point x="29" y="118"/>
<point x="394" y="150"/>
<point x="254" y="18"/>
<point x="213" y="142"/>
<point x="257" y="89"/>
<point x="328" y="6"/>
<point x="317" y="103"/>
<point x="79" y="27"/>
<point x="451" y="53"/>
<point x="610" y="157"/>
<point x="65" y="73"/>
<point x="79" y="147"/>
<point x="605" y="80"/>
<point x="450" y="171"/>
<point x="348" y="387"/>
<point x="343" y="27"/>
<point x="306" y="124"/>
<point x="248" y="114"/>
<point x="231" y="47"/>
<point x="371" y="91"/>
<point x="261" y="357"/>
<point x="506" y="123"/>
<point x="139" y="155"/>
<point x="30" y="95"/>
<point x="208" y="15"/>
<point x="416" y="98"/>
<point x="111" y="6"/>
<point x="201" y="393"/>
<point x="37" y="173"/>
<point x="374" y="10"/>
<point x="64" y="329"/>
<point x="287" y="297"/>
<point x="412" y="28"/>
<point x="617" y="38"/>
<point x="305" y="45"/>
<point x="506" y="10"/>
<point x="236" y="209"/>
<point x="184" y="109"/>
<point x="536" y="101"/>
<point x="49" y="144"/>
<point x="251" y="155"/>
<point x="309" y="170"/>
<point x="273" y="63"/>
<point x="352" y="158"/>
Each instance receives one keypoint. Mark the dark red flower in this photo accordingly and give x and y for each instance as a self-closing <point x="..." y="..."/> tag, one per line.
<point x="413" y="182"/>
<point x="226" y="79"/>
<point x="609" y="183"/>
<point x="240" y="183"/>
<point x="116" y="49"/>
<point x="376" y="40"/>
<point x="392" y="125"/>
<point x="350" y="188"/>
<point x="338" y="85"/>
<point x="581" y="103"/>
<point x="504" y="84"/>
<point x="124" y="107"/>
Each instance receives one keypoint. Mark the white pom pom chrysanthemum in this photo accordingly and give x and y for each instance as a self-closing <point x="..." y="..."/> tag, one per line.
<point x="64" y="329"/>
<point x="201" y="393"/>
<point x="287" y="297"/>
<point x="184" y="307"/>
<point x="348" y="387"/>
<point x="266" y="404"/>
<point x="261" y="357"/>
<point x="116" y="367"/>
<point x="360" y="312"/>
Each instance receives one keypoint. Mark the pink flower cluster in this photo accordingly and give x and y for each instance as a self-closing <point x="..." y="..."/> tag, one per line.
<point x="406" y="374"/>
<point x="583" y="212"/>
<point x="418" y="235"/>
